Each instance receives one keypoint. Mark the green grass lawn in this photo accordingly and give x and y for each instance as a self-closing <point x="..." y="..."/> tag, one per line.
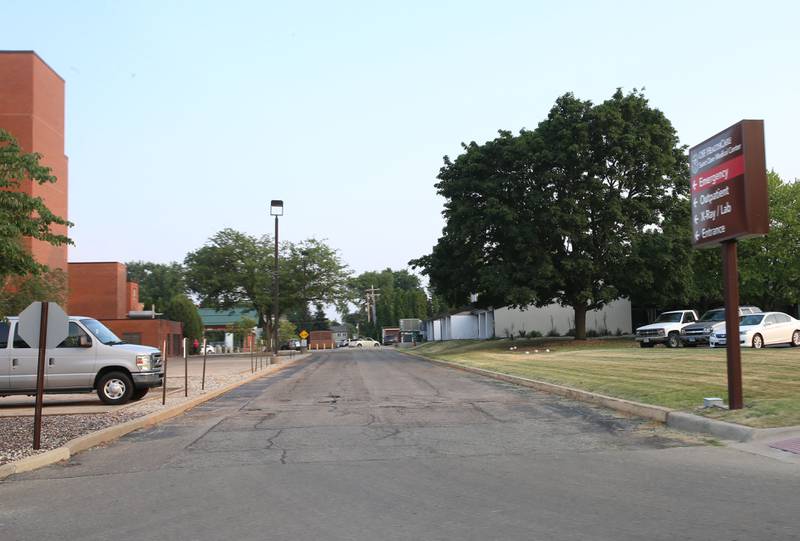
<point x="675" y="378"/>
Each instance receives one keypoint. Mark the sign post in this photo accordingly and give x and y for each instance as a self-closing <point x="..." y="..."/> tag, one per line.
<point x="729" y="202"/>
<point x="43" y="325"/>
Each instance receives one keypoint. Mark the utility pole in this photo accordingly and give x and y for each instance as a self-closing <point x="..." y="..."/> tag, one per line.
<point x="372" y="303"/>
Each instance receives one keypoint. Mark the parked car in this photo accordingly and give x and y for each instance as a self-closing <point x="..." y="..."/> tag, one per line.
<point x="666" y="329"/>
<point x="699" y="333"/>
<point x="389" y="340"/>
<point x="293" y="343"/>
<point x="208" y="349"/>
<point x="363" y="342"/>
<point x="91" y="358"/>
<point x="759" y="330"/>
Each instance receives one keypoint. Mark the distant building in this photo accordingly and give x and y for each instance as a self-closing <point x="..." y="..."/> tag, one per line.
<point x="477" y="324"/>
<point x="101" y="290"/>
<point x="218" y="323"/>
<point x="340" y="333"/>
<point x="480" y="324"/>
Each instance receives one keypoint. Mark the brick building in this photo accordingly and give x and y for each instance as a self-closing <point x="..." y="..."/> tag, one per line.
<point x="32" y="110"/>
<point x="101" y="290"/>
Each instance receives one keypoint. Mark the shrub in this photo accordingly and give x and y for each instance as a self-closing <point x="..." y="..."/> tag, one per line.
<point x="553" y="332"/>
<point x="619" y="332"/>
<point x="570" y="332"/>
<point x="591" y="333"/>
<point x="534" y="334"/>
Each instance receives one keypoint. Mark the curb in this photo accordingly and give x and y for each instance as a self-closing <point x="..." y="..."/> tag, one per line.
<point x="678" y="420"/>
<point x="688" y="422"/>
<point x="114" y="432"/>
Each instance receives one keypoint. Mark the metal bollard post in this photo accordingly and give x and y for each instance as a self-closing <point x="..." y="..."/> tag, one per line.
<point x="205" y="354"/>
<point x="185" y="370"/>
<point x="164" y="382"/>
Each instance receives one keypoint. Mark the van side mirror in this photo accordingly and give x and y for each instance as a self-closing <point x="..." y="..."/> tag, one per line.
<point x="84" y="341"/>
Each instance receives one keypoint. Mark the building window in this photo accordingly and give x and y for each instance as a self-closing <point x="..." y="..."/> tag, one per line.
<point x="132" y="337"/>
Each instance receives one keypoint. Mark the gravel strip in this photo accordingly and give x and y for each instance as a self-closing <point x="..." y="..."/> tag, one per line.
<point x="16" y="433"/>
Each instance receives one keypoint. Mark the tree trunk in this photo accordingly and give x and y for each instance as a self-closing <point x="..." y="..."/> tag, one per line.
<point x="580" y="321"/>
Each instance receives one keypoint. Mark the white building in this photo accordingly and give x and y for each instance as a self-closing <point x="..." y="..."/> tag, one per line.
<point x="614" y="316"/>
<point x="481" y="324"/>
<point x="469" y="324"/>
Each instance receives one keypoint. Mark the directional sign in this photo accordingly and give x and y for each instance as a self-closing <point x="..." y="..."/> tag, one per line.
<point x="729" y="185"/>
<point x="57" y="324"/>
<point x="304" y="334"/>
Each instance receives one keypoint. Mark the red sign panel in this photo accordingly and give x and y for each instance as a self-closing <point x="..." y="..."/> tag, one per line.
<point x="729" y="185"/>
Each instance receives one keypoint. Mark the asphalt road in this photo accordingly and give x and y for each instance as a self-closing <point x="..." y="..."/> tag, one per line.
<point x="376" y="445"/>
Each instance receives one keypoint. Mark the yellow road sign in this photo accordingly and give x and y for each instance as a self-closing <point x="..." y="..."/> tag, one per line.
<point x="304" y="334"/>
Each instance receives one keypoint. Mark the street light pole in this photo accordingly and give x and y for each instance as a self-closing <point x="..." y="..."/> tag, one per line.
<point x="275" y="209"/>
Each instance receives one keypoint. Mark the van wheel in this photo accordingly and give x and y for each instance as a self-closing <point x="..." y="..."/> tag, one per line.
<point x="758" y="342"/>
<point x="138" y="394"/>
<point x="115" y="388"/>
<point x="795" y="339"/>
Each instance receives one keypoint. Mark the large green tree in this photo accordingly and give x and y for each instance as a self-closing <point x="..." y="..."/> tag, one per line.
<point x="23" y="215"/>
<point x="664" y="272"/>
<point x="550" y="214"/>
<point x="236" y="269"/>
<point x="769" y="266"/>
<point x="158" y="282"/>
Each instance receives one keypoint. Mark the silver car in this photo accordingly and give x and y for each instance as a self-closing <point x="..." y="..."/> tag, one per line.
<point x="91" y="358"/>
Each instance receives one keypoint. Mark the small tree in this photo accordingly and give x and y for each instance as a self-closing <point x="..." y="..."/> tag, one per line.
<point x="320" y="322"/>
<point x="180" y="308"/>
<point x="286" y="331"/>
<point x="22" y="215"/>
<point x="21" y="291"/>
<point x="243" y="327"/>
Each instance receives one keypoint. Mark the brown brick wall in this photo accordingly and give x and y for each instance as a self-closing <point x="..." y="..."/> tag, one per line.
<point x="133" y="297"/>
<point x="153" y="331"/>
<point x="321" y="340"/>
<point x="98" y="290"/>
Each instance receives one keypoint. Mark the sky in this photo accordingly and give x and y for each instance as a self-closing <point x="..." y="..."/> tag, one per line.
<point x="184" y="118"/>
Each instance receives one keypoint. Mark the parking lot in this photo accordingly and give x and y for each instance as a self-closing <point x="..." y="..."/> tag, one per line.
<point x="220" y="370"/>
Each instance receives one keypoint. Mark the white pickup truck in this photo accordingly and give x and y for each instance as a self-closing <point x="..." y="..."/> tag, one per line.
<point x="666" y="329"/>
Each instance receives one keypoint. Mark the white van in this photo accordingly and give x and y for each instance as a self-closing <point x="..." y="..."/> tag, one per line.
<point x="91" y="358"/>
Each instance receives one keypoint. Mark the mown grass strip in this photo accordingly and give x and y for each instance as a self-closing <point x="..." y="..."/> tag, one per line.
<point x="678" y="379"/>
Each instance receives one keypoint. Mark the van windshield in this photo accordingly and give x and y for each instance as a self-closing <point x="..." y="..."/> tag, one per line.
<point x="714" y="315"/>
<point x="101" y="332"/>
